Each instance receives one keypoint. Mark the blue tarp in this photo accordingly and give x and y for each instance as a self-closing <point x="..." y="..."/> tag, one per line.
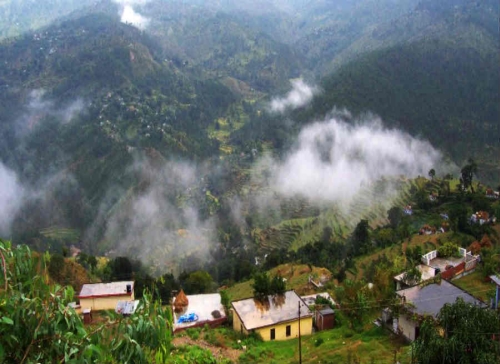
<point x="189" y="317"/>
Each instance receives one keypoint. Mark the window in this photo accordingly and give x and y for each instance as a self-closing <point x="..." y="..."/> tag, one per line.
<point x="273" y="334"/>
<point x="288" y="330"/>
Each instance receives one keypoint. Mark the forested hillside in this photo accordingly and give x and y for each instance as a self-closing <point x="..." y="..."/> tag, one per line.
<point x="443" y="91"/>
<point x="150" y="124"/>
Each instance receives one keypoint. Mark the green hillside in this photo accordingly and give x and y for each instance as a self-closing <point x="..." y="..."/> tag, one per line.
<point x="124" y="102"/>
<point x="444" y="91"/>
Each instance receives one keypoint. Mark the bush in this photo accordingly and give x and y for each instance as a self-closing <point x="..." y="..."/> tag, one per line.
<point x="448" y="250"/>
<point x="193" y="333"/>
<point x="318" y="341"/>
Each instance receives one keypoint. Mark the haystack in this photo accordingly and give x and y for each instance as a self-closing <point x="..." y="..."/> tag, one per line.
<point x="181" y="301"/>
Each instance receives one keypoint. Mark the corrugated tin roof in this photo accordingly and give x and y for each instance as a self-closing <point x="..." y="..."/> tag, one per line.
<point x="429" y="299"/>
<point x="279" y="308"/>
<point x="105" y="289"/>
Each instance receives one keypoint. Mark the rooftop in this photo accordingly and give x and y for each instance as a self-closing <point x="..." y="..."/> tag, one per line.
<point x="279" y="308"/>
<point x="105" y="289"/>
<point x="425" y="271"/>
<point x="202" y="305"/>
<point x="442" y="263"/>
<point x="429" y="299"/>
<point x="326" y="311"/>
<point x="311" y="299"/>
<point x="495" y="279"/>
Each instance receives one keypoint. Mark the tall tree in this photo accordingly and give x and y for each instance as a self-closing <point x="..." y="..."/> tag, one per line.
<point x="432" y="173"/>
<point x="467" y="174"/>
<point x="360" y="238"/>
<point x="394" y="215"/>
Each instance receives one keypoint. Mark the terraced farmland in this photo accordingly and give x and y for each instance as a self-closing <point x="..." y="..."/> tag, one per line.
<point x="371" y="203"/>
<point x="61" y="234"/>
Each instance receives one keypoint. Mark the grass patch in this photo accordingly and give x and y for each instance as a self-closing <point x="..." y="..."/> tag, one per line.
<point x="475" y="284"/>
<point x="332" y="346"/>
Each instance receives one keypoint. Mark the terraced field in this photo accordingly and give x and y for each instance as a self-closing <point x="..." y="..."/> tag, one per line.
<point x="301" y="228"/>
<point x="61" y="234"/>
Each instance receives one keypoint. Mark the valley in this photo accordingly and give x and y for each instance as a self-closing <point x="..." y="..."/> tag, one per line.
<point x="198" y="144"/>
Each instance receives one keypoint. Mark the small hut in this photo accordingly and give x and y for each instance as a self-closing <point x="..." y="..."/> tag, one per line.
<point x="180" y="302"/>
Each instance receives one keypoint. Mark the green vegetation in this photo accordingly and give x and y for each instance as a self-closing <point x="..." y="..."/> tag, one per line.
<point x="423" y="100"/>
<point x="476" y="284"/>
<point x="34" y="314"/>
<point x="338" y="345"/>
<point x="96" y="115"/>
<point x="468" y="336"/>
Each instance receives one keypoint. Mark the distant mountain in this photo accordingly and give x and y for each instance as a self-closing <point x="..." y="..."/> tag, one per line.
<point x="450" y="19"/>
<point x="19" y="16"/>
<point x="224" y="42"/>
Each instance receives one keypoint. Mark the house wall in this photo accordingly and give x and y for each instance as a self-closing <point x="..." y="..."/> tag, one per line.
<point x="238" y="325"/>
<point x="407" y="327"/>
<point x="104" y="303"/>
<point x="280" y="329"/>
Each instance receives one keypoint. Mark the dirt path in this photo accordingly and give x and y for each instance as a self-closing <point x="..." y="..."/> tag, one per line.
<point x="217" y="351"/>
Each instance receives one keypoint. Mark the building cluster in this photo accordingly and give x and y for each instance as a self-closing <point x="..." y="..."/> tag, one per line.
<point x="288" y="315"/>
<point x="276" y="317"/>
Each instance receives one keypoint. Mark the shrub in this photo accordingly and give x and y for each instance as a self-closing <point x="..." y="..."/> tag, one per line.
<point x="318" y="341"/>
<point x="448" y="250"/>
<point x="193" y="333"/>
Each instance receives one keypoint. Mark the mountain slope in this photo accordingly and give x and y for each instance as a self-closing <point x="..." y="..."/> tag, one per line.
<point x="444" y="91"/>
<point x="82" y="101"/>
<point x="452" y="20"/>
<point x="19" y="16"/>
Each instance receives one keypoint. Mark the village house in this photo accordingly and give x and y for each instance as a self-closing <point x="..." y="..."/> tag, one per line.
<point x="407" y="210"/>
<point x="482" y="217"/>
<point x="105" y="296"/>
<point x="451" y="267"/>
<point x="427" y="230"/>
<point x="405" y="280"/>
<point x="496" y="300"/>
<point x="197" y="311"/>
<point x="324" y="315"/>
<point x="425" y="300"/>
<point x="492" y="194"/>
<point x="275" y="318"/>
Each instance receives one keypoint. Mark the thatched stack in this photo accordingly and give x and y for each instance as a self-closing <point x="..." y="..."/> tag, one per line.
<point x="181" y="301"/>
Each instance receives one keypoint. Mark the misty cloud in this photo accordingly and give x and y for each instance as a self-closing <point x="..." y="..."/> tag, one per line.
<point x="130" y="16"/>
<point x="38" y="107"/>
<point x="300" y="95"/>
<point x="161" y="225"/>
<point x="333" y="160"/>
<point x="12" y="196"/>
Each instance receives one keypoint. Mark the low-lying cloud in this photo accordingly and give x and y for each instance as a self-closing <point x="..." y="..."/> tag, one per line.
<point x="12" y="196"/>
<point x="333" y="160"/>
<point x="300" y="95"/>
<point x="129" y="15"/>
<point x="160" y="224"/>
<point x="39" y="107"/>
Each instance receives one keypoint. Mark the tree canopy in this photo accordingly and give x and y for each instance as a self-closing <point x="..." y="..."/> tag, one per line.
<point x="470" y="335"/>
